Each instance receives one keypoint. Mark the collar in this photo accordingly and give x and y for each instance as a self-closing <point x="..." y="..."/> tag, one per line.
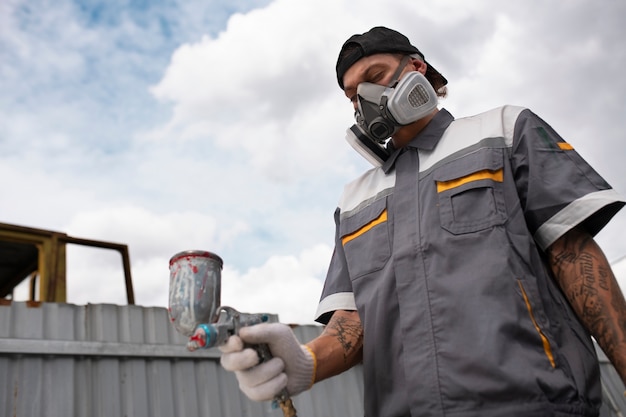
<point x="425" y="140"/>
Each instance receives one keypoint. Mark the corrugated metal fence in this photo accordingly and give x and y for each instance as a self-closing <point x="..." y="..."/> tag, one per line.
<point x="102" y="360"/>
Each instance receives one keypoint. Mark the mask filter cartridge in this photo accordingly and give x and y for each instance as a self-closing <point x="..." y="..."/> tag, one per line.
<point x="412" y="99"/>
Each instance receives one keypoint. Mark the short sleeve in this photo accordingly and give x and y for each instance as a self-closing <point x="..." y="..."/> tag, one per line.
<point x="337" y="293"/>
<point x="558" y="189"/>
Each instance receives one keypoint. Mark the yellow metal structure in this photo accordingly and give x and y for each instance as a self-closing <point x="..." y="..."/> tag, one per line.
<point x="41" y="254"/>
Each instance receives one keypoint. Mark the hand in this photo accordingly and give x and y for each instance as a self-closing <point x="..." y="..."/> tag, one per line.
<point x="292" y="365"/>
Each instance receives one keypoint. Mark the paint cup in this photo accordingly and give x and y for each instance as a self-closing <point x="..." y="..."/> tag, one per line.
<point x="195" y="287"/>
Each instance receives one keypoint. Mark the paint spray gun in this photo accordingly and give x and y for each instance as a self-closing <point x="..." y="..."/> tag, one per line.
<point x="195" y="310"/>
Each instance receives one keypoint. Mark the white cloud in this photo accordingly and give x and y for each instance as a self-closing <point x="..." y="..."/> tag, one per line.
<point x="243" y="153"/>
<point x="97" y="275"/>
<point x="150" y="234"/>
<point x="285" y="285"/>
<point x="266" y="89"/>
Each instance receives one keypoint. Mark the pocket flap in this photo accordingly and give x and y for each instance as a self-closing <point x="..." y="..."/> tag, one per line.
<point x="480" y="160"/>
<point x="366" y="218"/>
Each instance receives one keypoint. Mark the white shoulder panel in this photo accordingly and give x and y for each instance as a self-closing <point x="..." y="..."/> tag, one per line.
<point x="366" y="187"/>
<point x="464" y="132"/>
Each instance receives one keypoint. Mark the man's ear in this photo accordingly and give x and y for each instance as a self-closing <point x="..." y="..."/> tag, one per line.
<point x="419" y="65"/>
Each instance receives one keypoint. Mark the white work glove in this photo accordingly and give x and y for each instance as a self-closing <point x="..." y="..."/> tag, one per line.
<point x="292" y="365"/>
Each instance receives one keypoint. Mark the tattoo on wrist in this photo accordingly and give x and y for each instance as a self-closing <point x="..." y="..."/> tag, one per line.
<point x="349" y="334"/>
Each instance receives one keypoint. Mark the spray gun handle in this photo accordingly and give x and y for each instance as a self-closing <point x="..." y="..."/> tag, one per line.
<point x="282" y="400"/>
<point x="229" y="322"/>
<point x="263" y="351"/>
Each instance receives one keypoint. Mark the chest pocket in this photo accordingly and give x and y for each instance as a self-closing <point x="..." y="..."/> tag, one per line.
<point x="470" y="192"/>
<point x="365" y="239"/>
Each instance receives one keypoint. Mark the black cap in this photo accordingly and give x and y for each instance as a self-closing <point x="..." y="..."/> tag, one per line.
<point x="376" y="41"/>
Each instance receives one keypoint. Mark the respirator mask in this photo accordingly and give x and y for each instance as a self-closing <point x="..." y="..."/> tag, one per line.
<point x="382" y="110"/>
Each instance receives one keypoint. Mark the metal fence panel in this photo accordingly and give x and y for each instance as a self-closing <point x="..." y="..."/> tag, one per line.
<point x="102" y="360"/>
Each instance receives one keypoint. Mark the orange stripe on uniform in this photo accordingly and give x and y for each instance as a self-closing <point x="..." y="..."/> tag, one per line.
<point x="544" y="339"/>
<point x="565" y="146"/>
<point x="476" y="176"/>
<point x="380" y="219"/>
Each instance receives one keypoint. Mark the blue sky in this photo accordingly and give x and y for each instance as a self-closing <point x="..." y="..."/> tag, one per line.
<point x="218" y="125"/>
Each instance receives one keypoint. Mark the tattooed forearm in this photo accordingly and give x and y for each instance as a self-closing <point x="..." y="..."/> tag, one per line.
<point x="340" y="346"/>
<point x="585" y="276"/>
<point x="348" y="332"/>
<point x="579" y="285"/>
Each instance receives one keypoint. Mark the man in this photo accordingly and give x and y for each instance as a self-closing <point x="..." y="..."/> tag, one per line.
<point x="465" y="276"/>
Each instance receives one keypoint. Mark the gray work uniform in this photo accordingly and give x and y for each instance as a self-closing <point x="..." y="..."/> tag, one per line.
<point x="441" y="252"/>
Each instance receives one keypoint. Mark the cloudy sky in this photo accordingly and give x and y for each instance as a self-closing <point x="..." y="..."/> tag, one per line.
<point x="217" y="124"/>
